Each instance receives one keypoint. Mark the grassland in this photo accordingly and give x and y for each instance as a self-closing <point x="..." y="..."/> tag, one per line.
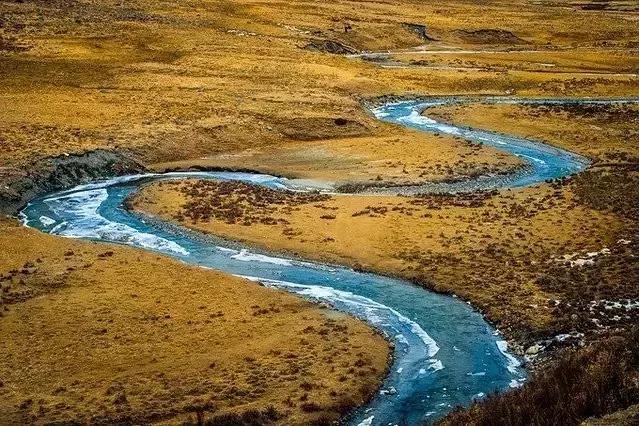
<point x="174" y="82"/>
<point x="105" y="334"/>
<point x="253" y="84"/>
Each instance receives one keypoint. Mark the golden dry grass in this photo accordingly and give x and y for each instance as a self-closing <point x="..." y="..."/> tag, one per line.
<point x="180" y="82"/>
<point x="100" y="333"/>
<point x="403" y="158"/>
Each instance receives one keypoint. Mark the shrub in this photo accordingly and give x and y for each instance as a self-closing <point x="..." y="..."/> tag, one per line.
<point x="248" y="418"/>
<point x="589" y="382"/>
<point x="310" y="407"/>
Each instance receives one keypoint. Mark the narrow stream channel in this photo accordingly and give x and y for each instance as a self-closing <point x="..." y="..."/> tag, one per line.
<point x="445" y="352"/>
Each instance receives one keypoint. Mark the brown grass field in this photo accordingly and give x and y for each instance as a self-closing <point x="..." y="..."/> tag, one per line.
<point x="96" y="333"/>
<point x="267" y="86"/>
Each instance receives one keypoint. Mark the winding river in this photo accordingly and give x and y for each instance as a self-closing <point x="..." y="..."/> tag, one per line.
<point x="445" y="352"/>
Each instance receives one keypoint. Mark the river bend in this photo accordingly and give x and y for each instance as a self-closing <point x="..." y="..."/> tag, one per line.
<point x="445" y="353"/>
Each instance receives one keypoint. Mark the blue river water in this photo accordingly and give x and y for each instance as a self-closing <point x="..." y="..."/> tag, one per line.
<point x="541" y="161"/>
<point x="445" y="353"/>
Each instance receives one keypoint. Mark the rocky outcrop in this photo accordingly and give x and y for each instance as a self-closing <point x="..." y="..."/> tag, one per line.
<point x="418" y="29"/>
<point x="18" y="186"/>
<point x="330" y="46"/>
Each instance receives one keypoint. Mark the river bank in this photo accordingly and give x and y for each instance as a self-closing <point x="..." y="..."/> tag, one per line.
<point x="432" y="366"/>
<point x="145" y="341"/>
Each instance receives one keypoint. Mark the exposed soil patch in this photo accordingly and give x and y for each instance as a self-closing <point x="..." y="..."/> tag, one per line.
<point x="595" y="5"/>
<point x="420" y="30"/>
<point x="50" y="174"/>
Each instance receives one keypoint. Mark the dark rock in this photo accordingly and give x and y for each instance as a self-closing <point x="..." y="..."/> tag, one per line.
<point x="418" y="29"/>
<point x="57" y="173"/>
<point x="330" y="46"/>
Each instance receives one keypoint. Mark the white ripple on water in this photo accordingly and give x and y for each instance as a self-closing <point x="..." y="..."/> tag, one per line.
<point x="367" y="422"/>
<point x="46" y="220"/>
<point x="247" y="256"/>
<point x="417" y="119"/>
<point x="513" y="363"/>
<point x="535" y="159"/>
<point x="56" y="228"/>
<point x="374" y="312"/>
<point x="84" y="221"/>
<point x="226" y="249"/>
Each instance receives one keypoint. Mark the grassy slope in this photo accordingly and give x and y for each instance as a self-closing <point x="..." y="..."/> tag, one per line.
<point x="102" y="333"/>
<point x="190" y="80"/>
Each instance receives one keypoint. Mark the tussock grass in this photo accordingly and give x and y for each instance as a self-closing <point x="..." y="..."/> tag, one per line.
<point x="589" y="382"/>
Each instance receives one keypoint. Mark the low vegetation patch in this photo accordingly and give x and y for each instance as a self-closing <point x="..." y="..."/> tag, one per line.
<point x="247" y="418"/>
<point x="584" y="383"/>
<point x="237" y="202"/>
